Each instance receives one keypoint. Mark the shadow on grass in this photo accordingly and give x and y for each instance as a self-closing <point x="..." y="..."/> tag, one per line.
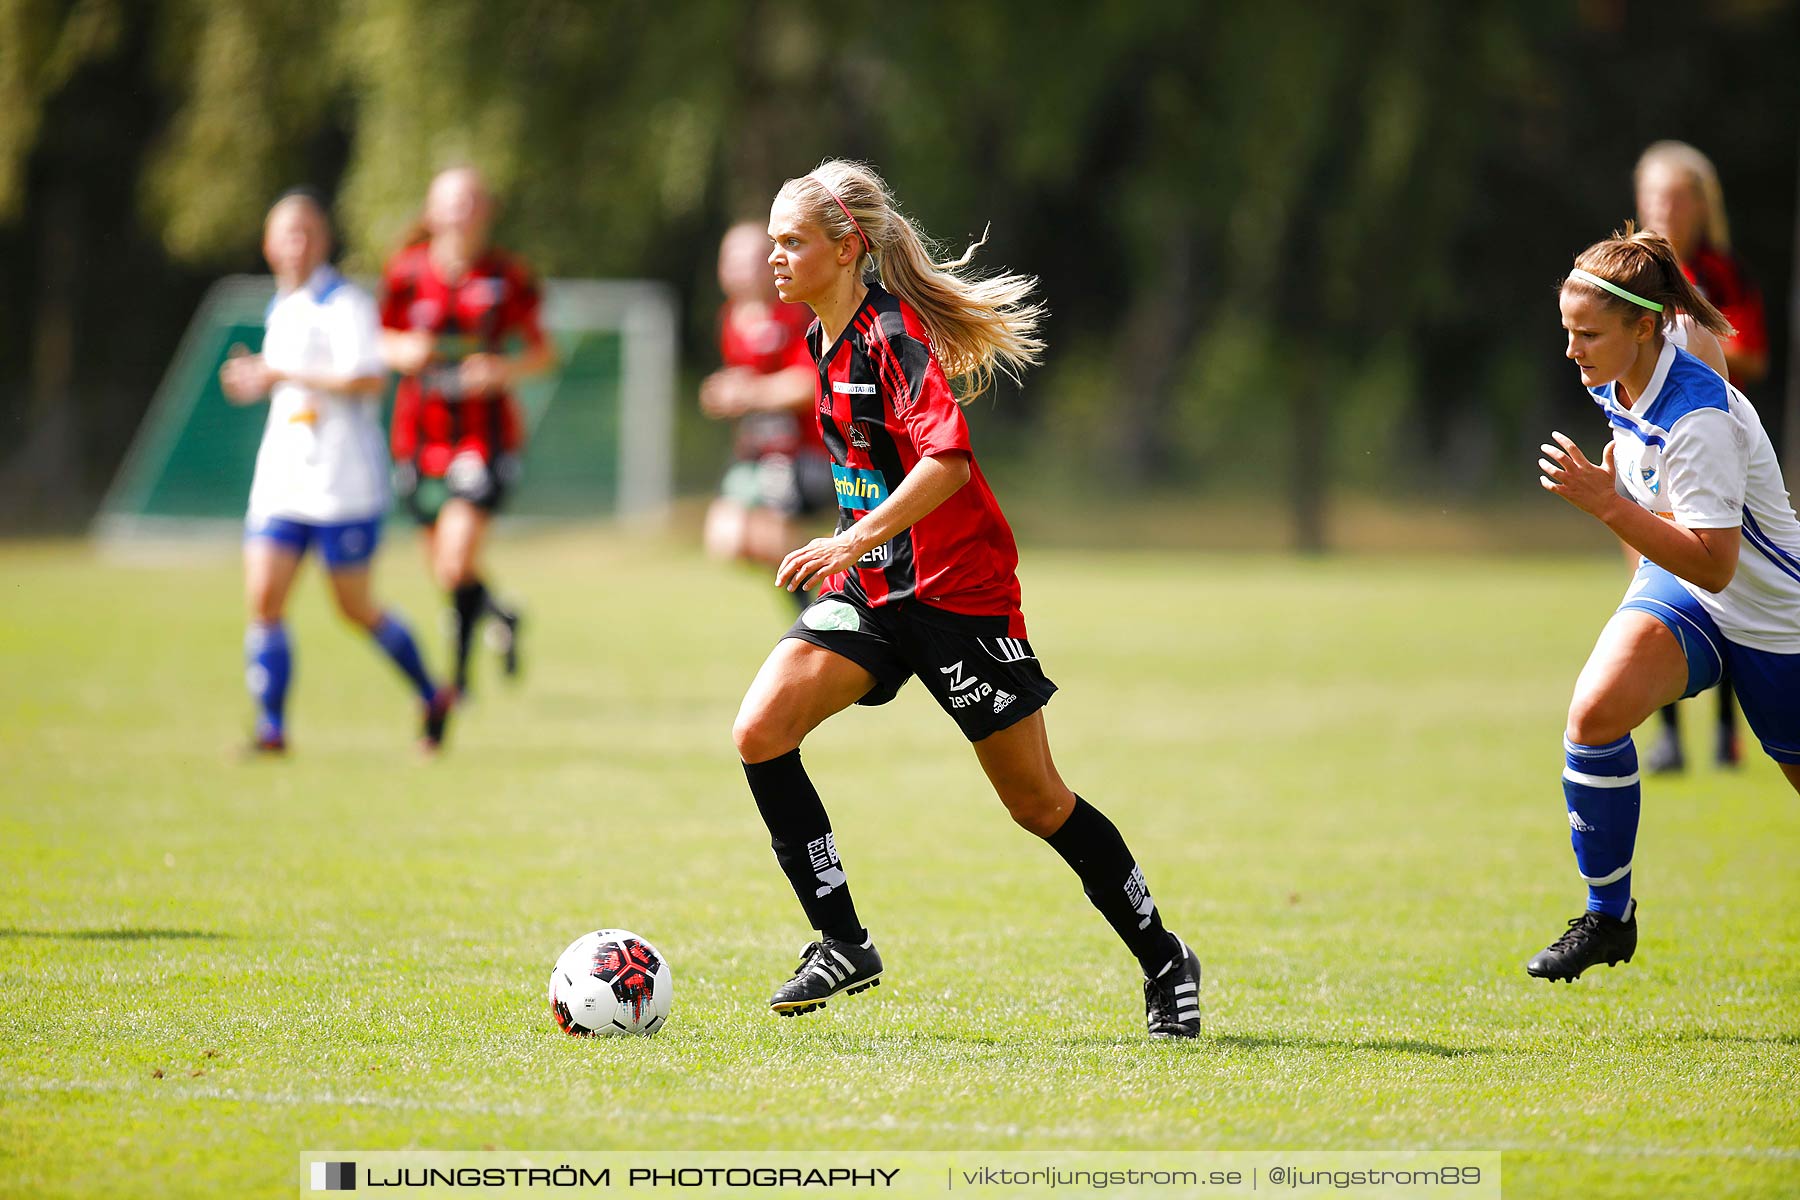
<point x="1248" y="1041"/>
<point x="1231" y="1041"/>
<point x="118" y="935"/>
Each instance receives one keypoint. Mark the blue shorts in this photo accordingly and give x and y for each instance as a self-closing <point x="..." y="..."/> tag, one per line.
<point x="343" y="545"/>
<point x="1767" y="685"/>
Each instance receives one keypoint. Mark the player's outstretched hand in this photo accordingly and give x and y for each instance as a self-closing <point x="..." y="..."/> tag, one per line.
<point x="245" y="377"/>
<point x="484" y="374"/>
<point x="408" y="351"/>
<point x="726" y="393"/>
<point x="1588" y="485"/>
<point x="819" y="558"/>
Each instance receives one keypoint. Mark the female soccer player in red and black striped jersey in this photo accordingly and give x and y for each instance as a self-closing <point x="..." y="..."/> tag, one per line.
<point x="450" y="305"/>
<point x="919" y="579"/>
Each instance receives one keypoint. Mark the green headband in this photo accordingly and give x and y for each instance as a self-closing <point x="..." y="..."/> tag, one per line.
<point x="1615" y="289"/>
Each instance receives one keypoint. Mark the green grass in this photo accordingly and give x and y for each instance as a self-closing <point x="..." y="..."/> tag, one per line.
<point x="1341" y="778"/>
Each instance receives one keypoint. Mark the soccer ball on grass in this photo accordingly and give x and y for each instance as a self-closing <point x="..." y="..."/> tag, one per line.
<point x="610" y="983"/>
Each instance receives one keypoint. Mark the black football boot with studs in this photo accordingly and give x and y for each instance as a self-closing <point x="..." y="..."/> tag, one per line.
<point x="827" y="967"/>
<point x="1591" y="938"/>
<point x="1172" y="998"/>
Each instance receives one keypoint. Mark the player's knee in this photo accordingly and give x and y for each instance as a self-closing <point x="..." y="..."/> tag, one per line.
<point x="451" y="574"/>
<point x="363" y="614"/>
<point x="761" y="735"/>
<point x="264" y="605"/>
<point x="1040" y="811"/>
<point x="724" y="533"/>
<point x="1598" y="719"/>
<point x="719" y="547"/>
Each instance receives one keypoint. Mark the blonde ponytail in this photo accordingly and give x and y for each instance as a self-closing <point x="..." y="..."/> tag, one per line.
<point x="978" y="325"/>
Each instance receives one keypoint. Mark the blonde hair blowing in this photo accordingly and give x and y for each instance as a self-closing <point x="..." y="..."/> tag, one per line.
<point x="977" y="324"/>
<point x="1699" y="168"/>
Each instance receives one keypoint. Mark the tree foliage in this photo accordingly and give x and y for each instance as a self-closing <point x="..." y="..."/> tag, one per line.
<point x="42" y="45"/>
<point x="1267" y="232"/>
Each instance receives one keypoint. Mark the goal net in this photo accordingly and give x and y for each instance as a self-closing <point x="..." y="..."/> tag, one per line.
<point x="601" y="425"/>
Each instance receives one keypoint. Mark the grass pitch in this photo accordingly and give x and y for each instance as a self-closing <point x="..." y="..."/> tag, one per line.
<point x="1340" y="777"/>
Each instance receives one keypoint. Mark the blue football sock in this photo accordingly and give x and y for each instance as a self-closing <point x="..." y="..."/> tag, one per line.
<point x="268" y="665"/>
<point x="394" y="637"/>
<point x="1600" y="785"/>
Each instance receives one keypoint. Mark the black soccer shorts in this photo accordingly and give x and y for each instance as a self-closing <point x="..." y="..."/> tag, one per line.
<point x="985" y="680"/>
<point x="470" y="477"/>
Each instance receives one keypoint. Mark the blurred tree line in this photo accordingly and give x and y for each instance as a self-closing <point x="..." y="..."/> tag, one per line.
<point x="1289" y="247"/>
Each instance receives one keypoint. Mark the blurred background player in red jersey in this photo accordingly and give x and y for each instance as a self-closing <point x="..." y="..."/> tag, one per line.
<point x="780" y="473"/>
<point x="1679" y="196"/>
<point x="452" y="306"/>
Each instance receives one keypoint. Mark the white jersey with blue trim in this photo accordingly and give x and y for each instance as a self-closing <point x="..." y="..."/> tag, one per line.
<point x="1692" y="450"/>
<point x="323" y="458"/>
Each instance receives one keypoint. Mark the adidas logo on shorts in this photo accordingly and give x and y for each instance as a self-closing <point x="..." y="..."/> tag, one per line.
<point x="1002" y="699"/>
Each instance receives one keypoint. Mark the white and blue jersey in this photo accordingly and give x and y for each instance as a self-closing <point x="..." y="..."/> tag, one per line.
<point x="323" y="459"/>
<point x="1692" y="450"/>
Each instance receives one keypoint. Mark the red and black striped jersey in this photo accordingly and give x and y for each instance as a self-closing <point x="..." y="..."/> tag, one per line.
<point x="1722" y="279"/>
<point x="883" y="405"/>
<point x="764" y="337"/>
<point x="495" y="302"/>
<point x="769" y="338"/>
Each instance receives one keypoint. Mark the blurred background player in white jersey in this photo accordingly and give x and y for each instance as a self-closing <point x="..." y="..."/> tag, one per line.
<point x="1689" y="480"/>
<point x="780" y="473"/>
<point x="1679" y="196"/>
<point x="322" y="469"/>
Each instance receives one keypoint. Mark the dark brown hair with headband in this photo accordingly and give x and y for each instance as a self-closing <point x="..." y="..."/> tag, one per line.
<point x="1644" y="263"/>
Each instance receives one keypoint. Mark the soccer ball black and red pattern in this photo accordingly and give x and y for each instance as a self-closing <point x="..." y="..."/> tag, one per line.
<point x="610" y="983"/>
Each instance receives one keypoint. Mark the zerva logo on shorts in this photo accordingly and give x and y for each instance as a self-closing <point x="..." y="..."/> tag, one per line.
<point x="965" y="689"/>
<point x="858" y="488"/>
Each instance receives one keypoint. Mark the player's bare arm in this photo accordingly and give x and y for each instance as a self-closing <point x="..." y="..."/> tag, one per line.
<point x="734" y="391"/>
<point x="490" y="374"/>
<point x="248" y="378"/>
<point x="1704" y="557"/>
<point x="408" y="351"/>
<point x="930" y="483"/>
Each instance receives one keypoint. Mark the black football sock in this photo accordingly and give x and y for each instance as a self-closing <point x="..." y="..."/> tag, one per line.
<point x="1110" y="876"/>
<point x="1727" y="710"/>
<point x="1671" y="720"/>
<point x="470" y="601"/>
<point x="800" y="835"/>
